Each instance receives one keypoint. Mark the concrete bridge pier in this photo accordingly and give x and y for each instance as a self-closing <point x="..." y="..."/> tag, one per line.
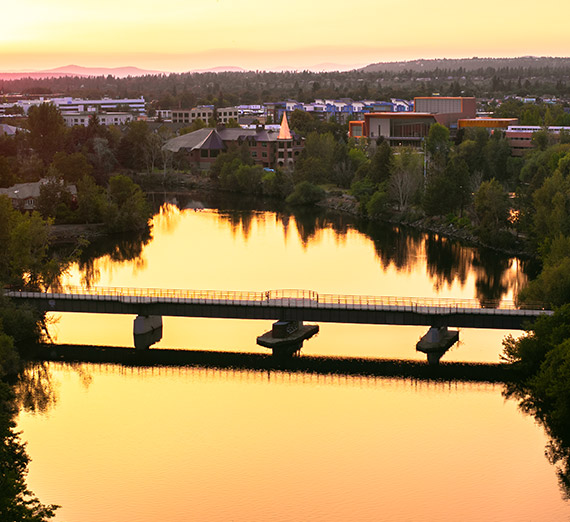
<point x="147" y="330"/>
<point x="286" y="337"/>
<point x="436" y="342"/>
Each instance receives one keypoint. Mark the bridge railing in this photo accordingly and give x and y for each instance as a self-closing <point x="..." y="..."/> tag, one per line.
<point x="283" y="297"/>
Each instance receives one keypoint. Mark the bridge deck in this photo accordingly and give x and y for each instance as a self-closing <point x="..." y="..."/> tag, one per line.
<point x="283" y="304"/>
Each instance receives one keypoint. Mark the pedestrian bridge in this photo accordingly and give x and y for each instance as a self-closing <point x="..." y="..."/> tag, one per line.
<point x="287" y="305"/>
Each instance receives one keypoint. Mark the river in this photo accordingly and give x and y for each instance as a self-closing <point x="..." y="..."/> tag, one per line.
<point x="197" y="443"/>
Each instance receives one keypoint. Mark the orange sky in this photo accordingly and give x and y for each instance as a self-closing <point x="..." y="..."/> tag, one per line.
<point x="263" y="34"/>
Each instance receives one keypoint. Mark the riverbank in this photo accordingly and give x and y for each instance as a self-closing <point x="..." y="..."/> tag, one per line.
<point x="341" y="201"/>
<point x="61" y="234"/>
<point x="336" y="200"/>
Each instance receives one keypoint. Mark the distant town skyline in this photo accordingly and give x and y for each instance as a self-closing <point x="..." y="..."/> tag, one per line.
<point x="185" y="35"/>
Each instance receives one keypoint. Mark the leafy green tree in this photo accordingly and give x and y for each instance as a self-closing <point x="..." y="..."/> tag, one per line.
<point x="531" y="115"/>
<point x="381" y="163"/>
<point x="472" y="154"/>
<point x="379" y="203"/>
<point x="492" y="209"/>
<point x="17" y="502"/>
<point x="238" y="177"/>
<point x="363" y="188"/>
<point x="438" y="195"/>
<point x="90" y="201"/>
<point x="47" y="130"/>
<point x="231" y="159"/>
<point x="127" y="208"/>
<point x="437" y="142"/>
<point x="302" y="122"/>
<point x="277" y="183"/>
<point x="103" y="159"/>
<point x="542" y="139"/>
<point x="132" y="150"/>
<point x="53" y="194"/>
<point x="551" y="212"/>
<point x="232" y="124"/>
<point x="7" y="174"/>
<point x="315" y="164"/>
<point x="461" y="182"/>
<point x="306" y="193"/>
<point x="24" y="258"/>
<point x="497" y="152"/>
<point x="72" y="167"/>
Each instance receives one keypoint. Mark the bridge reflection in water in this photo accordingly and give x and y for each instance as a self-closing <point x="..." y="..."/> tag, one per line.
<point x="150" y="305"/>
<point x="266" y="364"/>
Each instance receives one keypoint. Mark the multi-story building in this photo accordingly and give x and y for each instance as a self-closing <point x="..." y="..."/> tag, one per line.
<point x="520" y="136"/>
<point x="205" y="113"/>
<point x="189" y="116"/>
<point x="110" y="118"/>
<point x="269" y="148"/>
<point x="78" y="105"/>
<point x="410" y="128"/>
<point x="448" y="108"/>
<point x="224" y="115"/>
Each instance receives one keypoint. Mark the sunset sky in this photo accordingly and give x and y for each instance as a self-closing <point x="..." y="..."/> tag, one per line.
<point x="181" y="35"/>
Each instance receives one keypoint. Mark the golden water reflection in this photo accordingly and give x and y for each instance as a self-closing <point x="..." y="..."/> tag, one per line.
<point x="182" y="444"/>
<point x="262" y="250"/>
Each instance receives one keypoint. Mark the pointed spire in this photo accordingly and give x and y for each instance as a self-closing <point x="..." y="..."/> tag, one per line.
<point x="284" y="132"/>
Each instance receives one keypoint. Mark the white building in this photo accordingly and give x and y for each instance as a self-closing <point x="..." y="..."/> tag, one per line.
<point x="69" y="104"/>
<point x="108" y="118"/>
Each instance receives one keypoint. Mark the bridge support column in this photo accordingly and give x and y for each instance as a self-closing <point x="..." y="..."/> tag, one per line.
<point x="286" y="337"/>
<point x="147" y="330"/>
<point x="436" y="342"/>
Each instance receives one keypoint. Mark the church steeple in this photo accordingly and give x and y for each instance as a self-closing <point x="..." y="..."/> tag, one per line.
<point x="284" y="132"/>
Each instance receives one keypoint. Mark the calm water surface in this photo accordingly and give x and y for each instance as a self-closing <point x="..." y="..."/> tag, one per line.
<point x="259" y="251"/>
<point x="145" y="444"/>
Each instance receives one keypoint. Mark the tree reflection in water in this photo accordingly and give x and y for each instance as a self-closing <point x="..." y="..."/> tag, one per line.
<point x="119" y="248"/>
<point x="35" y="390"/>
<point x="557" y="450"/>
<point x="448" y="261"/>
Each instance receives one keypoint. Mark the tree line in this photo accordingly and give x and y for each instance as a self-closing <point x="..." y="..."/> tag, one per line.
<point x="96" y="160"/>
<point x="186" y="90"/>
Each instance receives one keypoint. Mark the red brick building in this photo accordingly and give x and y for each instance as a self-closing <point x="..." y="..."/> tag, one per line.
<point x="267" y="148"/>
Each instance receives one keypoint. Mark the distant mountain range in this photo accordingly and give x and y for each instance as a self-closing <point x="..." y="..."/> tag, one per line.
<point x="468" y="64"/>
<point x="123" y="72"/>
<point x="118" y="72"/>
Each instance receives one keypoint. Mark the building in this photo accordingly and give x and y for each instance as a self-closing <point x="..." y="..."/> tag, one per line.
<point x="410" y="128"/>
<point x="24" y="196"/>
<point x="269" y="148"/>
<point x="164" y="114"/>
<point x="78" y="105"/>
<point x="520" y="136"/>
<point x="9" y="130"/>
<point x="205" y="113"/>
<point x="224" y="115"/>
<point x="189" y="116"/>
<point x="491" y="124"/>
<point x="110" y="118"/>
<point x="449" y="109"/>
<point x="398" y="128"/>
